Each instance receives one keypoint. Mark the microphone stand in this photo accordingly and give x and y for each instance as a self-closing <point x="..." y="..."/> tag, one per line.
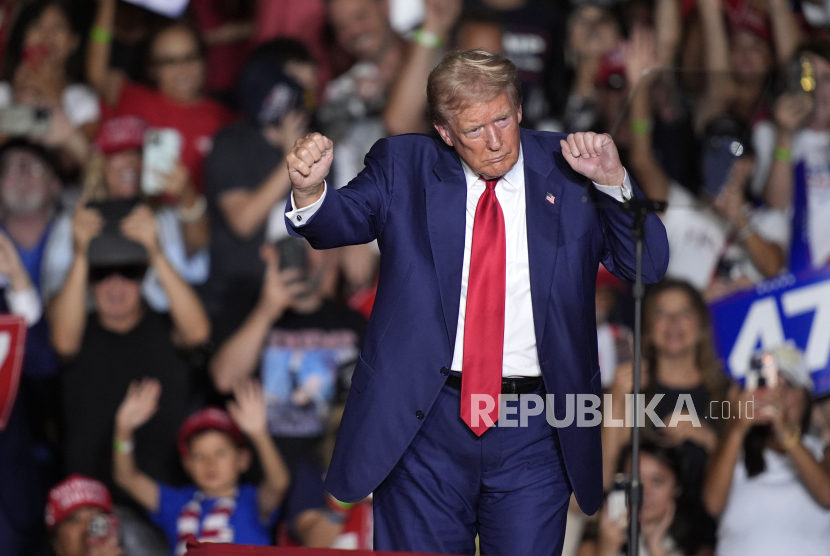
<point x="634" y="487"/>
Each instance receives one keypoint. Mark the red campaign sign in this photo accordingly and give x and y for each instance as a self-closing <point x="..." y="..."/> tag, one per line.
<point x="12" y="348"/>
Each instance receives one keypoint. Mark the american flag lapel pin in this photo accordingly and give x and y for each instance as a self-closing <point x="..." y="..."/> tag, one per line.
<point x="550" y="198"/>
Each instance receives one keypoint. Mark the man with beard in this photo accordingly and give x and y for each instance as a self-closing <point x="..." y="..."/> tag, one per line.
<point x="29" y="187"/>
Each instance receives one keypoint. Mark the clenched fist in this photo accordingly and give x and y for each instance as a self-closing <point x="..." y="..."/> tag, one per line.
<point x="309" y="162"/>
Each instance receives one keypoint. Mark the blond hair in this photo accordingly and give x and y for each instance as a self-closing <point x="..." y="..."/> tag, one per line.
<point x="465" y="77"/>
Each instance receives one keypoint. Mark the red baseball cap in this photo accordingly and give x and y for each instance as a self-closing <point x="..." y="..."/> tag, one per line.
<point x="121" y="133"/>
<point x="74" y="492"/>
<point x="209" y="418"/>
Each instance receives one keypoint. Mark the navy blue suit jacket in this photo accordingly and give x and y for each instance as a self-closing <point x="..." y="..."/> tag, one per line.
<point x="412" y="197"/>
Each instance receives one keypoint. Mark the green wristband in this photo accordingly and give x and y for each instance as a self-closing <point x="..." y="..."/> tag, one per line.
<point x="783" y="155"/>
<point x="640" y="127"/>
<point x="123" y="447"/>
<point x="99" y="35"/>
<point x="427" y="38"/>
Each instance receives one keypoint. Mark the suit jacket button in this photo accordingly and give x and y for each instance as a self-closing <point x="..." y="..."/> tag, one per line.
<point x="419" y="414"/>
<point x="445" y="371"/>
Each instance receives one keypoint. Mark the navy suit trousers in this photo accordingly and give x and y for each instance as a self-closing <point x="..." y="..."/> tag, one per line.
<point x="509" y="486"/>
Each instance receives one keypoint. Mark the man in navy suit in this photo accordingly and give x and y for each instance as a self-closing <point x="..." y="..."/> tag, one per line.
<point x="490" y="241"/>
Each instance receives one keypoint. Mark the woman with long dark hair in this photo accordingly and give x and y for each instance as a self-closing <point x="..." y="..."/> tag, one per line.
<point x="666" y="526"/>
<point x="42" y="70"/>
<point x="176" y="100"/>
<point x="681" y="377"/>
<point x="679" y="359"/>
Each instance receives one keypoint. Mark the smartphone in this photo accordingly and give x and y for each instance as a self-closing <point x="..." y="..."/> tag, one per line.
<point x="800" y="76"/>
<point x="719" y="154"/>
<point x="762" y="373"/>
<point x="293" y="254"/>
<point x="102" y="528"/>
<point x="162" y="149"/>
<point x="617" y="504"/>
<point x="20" y="120"/>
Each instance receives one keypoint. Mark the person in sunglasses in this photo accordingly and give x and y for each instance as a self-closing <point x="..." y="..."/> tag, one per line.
<point x="121" y="340"/>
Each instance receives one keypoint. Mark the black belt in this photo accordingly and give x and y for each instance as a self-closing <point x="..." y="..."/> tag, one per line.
<point x="524" y="385"/>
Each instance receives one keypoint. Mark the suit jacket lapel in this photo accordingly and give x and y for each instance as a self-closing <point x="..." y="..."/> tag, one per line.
<point x="542" y="224"/>
<point x="446" y="203"/>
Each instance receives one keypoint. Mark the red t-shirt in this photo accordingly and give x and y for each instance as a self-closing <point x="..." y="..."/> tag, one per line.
<point x="197" y="122"/>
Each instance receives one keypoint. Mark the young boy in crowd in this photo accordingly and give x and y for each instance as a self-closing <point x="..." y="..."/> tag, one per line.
<point x="217" y="508"/>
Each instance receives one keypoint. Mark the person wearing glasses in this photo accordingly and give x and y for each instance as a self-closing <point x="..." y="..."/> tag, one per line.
<point x="176" y="66"/>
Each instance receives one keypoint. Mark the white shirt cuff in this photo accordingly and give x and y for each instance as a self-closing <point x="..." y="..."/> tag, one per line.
<point x="299" y="216"/>
<point x="621" y="194"/>
<point x="25" y="303"/>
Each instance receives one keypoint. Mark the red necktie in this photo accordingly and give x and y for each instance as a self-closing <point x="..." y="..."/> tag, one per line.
<point x="484" y="319"/>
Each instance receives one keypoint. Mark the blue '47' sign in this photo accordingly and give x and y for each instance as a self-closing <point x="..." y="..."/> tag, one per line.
<point x="789" y="307"/>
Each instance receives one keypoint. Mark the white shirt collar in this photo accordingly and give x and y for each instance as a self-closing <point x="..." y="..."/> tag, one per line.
<point x="514" y="177"/>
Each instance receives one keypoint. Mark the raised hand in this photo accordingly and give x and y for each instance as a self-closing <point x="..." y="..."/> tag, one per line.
<point x="248" y="410"/>
<point x="279" y="288"/>
<point x="640" y="56"/>
<point x="612" y="533"/>
<point x="594" y="156"/>
<point x="440" y="16"/>
<point x="87" y="223"/>
<point x="139" y="405"/>
<point x="177" y="181"/>
<point x="140" y="226"/>
<point x="791" y="111"/>
<point x="309" y="162"/>
<point x="732" y="198"/>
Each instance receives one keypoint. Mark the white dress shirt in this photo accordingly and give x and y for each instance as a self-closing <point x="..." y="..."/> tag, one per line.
<point x="520" y="355"/>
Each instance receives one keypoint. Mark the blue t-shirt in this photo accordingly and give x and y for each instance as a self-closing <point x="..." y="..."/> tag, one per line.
<point x="245" y="522"/>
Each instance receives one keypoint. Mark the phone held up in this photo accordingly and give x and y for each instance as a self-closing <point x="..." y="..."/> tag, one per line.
<point x="162" y="149"/>
<point x="762" y="373"/>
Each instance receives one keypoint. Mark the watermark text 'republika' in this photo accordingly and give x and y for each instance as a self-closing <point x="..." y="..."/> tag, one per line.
<point x="585" y="410"/>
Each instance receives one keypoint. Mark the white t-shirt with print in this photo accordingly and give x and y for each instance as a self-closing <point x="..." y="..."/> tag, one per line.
<point x="699" y="238"/>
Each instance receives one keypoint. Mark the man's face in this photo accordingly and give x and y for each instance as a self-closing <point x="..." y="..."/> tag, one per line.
<point x="361" y="27"/>
<point x="486" y="136"/>
<point x="26" y="182"/>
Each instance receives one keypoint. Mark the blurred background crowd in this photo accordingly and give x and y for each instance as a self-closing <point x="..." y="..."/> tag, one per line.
<point x="185" y="361"/>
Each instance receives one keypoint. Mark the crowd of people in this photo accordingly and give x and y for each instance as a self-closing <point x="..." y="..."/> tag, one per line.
<point x="186" y="360"/>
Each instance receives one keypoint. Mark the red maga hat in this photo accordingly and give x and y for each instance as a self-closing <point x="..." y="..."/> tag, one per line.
<point x="121" y="133"/>
<point x="74" y="492"/>
<point x="209" y="418"/>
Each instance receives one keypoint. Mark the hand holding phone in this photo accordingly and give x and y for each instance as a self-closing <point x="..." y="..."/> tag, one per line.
<point x="162" y="149"/>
